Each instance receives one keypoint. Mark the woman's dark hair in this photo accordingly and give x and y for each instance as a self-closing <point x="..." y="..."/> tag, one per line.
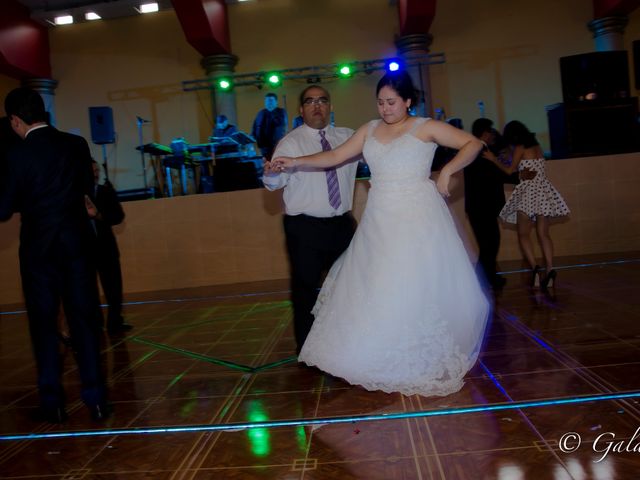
<point x="400" y="82"/>
<point x="516" y="133"/>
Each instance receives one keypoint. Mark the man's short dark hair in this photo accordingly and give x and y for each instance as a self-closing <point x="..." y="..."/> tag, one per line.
<point x="221" y="118"/>
<point x="480" y="126"/>
<point x="271" y="95"/>
<point x="26" y="104"/>
<point x="303" y="93"/>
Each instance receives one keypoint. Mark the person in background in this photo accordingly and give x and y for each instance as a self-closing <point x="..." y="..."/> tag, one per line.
<point x="223" y="128"/>
<point x="318" y="227"/>
<point x="48" y="177"/>
<point x="297" y="121"/>
<point x="105" y="212"/>
<point x="533" y="202"/>
<point x="270" y="125"/>
<point x="484" y="198"/>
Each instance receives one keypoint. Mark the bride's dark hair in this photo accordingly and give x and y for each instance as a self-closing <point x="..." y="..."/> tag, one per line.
<point x="400" y="81"/>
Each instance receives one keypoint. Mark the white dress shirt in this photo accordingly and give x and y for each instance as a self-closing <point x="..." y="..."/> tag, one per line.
<point x="305" y="188"/>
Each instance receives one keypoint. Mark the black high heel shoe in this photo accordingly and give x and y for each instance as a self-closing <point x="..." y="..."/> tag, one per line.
<point x="535" y="276"/>
<point x="549" y="279"/>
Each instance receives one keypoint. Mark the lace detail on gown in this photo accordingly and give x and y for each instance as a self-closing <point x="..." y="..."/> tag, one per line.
<point x="401" y="310"/>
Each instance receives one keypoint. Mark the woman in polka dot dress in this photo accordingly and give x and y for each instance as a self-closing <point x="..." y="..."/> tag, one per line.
<point x="533" y="201"/>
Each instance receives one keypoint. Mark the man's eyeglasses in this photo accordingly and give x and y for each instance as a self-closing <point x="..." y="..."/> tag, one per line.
<point x="316" y="101"/>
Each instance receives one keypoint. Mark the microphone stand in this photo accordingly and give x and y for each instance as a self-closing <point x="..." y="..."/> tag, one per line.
<point x="140" y="121"/>
<point x="104" y="162"/>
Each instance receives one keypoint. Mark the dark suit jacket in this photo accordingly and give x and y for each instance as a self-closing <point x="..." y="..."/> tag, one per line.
<point x="47" y="177"/>
<point x="111" y="213"/>
<point x="269" y="127"/>
<point x="484" y="186"/>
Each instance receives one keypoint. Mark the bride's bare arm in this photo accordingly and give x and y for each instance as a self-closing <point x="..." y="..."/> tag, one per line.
<point x="444" y="134"/>
<point x="349" y="149"/>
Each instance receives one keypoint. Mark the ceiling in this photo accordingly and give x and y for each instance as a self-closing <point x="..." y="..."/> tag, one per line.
<point x="43" y="11"/>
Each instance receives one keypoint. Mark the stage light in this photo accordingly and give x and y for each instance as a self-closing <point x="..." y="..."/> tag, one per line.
<point x="92" y="16"/>
<point x="274" y="79"/>
<point x="345" y="70"/>
<point x="148" y="7"/>
<point x="393" y="65"/>
<point x="63" y="20"/>
<point x="224" y="84"/>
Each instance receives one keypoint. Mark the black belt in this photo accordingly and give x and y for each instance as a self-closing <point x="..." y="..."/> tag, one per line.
<point x="320" y="219"/>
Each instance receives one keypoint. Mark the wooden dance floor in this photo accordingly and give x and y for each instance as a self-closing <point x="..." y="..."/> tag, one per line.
<point x="205" y="387"/>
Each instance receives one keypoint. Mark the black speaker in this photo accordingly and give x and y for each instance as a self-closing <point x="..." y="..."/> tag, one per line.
<point x="101" y="119"/>
<point x="636" y="62"/>
<point x="595" y="76"/>
<point x="230" y="175"/>
<point x="593" y="129"/>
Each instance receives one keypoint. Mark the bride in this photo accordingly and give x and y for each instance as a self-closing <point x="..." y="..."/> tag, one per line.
<point x="401" y="310"/>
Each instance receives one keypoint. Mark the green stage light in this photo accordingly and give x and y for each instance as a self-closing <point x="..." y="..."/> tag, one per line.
<point x="274" y="79"/>
<point x="345" y="70"/>
<point x="224" y="84"/>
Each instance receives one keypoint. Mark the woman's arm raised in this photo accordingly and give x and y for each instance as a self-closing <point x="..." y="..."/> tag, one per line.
<point x="349" y="149"/>
<point x="516" y="157"/>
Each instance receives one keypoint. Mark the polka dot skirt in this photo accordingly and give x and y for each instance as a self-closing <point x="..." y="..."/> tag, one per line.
<point x="534" y="197"/>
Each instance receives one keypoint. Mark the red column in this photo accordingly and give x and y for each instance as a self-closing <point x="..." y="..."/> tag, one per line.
<point x="205" y="25"/>
<point x="413" y="43"/>
<point x="416" y="16"/>
<point x="24" y="44"/>
<point x="614" y="8"/>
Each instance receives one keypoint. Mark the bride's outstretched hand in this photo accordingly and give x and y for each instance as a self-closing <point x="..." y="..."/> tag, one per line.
<point x="282" y="163"/>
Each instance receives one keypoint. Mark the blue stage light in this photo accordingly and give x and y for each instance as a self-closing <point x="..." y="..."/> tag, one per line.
<point x="393" y="65"/>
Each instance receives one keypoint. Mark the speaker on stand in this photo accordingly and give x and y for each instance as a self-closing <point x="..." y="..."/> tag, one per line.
<point x="102" y="131"/>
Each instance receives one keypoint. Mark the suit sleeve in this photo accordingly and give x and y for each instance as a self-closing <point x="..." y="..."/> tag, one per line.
<point x="110" y="208"/>
<point x="9" y="189"/>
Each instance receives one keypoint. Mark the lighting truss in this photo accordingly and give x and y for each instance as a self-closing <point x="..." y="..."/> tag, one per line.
<point x="312" y="74"/>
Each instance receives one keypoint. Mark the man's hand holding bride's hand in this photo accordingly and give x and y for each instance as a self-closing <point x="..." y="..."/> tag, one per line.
<point x="281" y="163"/>
<point x="268" y="168"/>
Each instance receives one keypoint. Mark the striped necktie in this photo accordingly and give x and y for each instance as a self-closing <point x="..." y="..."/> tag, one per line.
<point x="333" y="187"/>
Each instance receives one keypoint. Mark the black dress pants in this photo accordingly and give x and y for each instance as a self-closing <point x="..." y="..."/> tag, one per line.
<point x="110" y="275"/>
<point x="487" y="232"/>
<point x="65" y="274"/>
<point x="313" y="244"/>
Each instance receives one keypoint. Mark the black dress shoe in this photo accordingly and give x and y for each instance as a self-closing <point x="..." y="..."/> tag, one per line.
<point x="498" y="282"/>
<point x="101" y="411"/>
<point x="119" y="329"/>
<point x="55" y="415"/>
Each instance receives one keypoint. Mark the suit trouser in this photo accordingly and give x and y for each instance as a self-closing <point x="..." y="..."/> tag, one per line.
<point x="68" y="276"/>
<point x="111" y="280"/>
<point x="313" y="244"/>
<point x="487" y="232"/>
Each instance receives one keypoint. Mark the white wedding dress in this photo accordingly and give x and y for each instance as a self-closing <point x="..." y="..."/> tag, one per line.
<point x="401" y="310"/>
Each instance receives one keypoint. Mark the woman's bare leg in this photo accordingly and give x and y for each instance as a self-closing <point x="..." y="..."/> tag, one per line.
<point x="545" y="242"/>
<point x="524" y="239"/>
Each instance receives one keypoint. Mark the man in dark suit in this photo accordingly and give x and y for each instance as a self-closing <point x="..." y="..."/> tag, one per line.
<point x="106" y="211"/>
<point x="483" y="200"/>
<point x="270" y="125"/>
<point x="48" y="176"/>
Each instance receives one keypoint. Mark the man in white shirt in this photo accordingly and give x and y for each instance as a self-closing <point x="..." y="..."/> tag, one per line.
<point x="318" y="223"/>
